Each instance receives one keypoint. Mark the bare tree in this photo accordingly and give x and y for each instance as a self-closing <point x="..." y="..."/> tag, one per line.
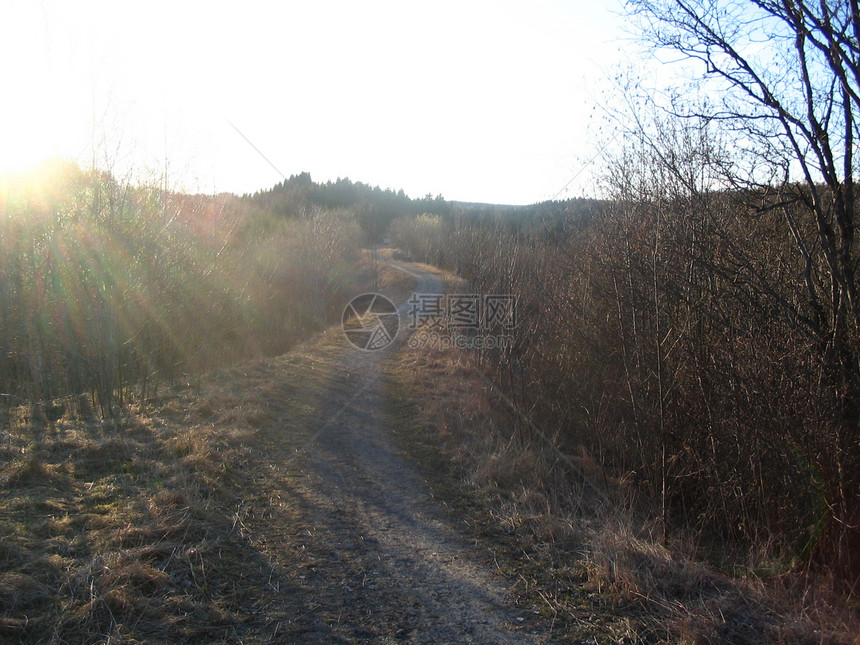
<point x="782" y="77"/>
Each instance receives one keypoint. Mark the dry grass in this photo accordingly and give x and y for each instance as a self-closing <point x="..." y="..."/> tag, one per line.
<point x="582" y="551"/>
<point x="135" y="530"/>
<point x="111" y="531"/>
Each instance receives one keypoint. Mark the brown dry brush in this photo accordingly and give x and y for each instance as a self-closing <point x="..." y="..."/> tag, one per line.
<point x="108" y="290"/>
<point x="650" y="339"/>
<point x="789" y="118"/>
<point x="714" y="304"/>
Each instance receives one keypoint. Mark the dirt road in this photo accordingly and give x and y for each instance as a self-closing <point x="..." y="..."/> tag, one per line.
<point x="377" y="559"/>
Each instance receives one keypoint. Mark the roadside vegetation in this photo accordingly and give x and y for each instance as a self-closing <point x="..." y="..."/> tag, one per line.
<point x="108" y="291"/>
<point x="125" y="425"/>
<point x="581" y="546"/>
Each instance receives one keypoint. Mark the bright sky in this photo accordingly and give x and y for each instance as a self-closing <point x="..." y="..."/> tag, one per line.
<point x="477" y="100"/>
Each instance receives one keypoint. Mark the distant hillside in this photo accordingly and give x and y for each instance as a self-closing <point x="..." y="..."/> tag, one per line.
<point x="374" y="208"/>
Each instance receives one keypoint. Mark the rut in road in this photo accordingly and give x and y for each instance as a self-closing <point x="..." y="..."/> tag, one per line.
<point x="379" y="560"/>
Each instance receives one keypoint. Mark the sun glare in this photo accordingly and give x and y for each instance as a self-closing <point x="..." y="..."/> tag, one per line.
<point x="37" y="94"/>
<point x="25" y="142"/>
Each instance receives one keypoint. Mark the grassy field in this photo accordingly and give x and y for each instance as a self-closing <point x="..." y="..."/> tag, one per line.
<point x="138" y="529"/>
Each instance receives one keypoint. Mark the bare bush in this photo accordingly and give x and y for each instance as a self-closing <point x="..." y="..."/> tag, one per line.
<point x="699" y="336"/>
<point x="107" y="289"/>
